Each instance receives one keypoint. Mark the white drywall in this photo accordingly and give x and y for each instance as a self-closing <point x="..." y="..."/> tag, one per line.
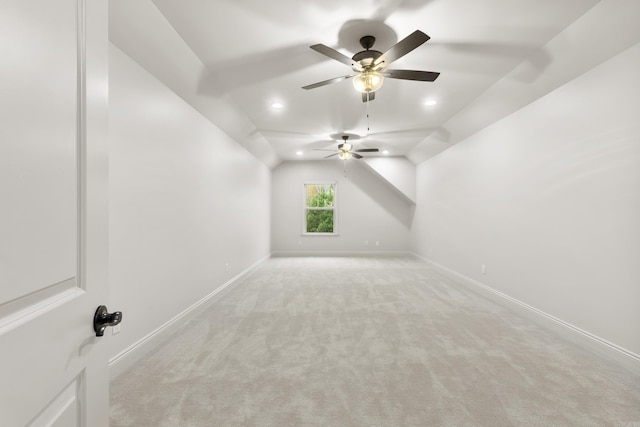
<point x="548" y="199"/>
<point x="189" y="207"/>
<point x="606" y="29"/>
<point x="399" y="172"/>
<point x="141" y="31"/>
<point x="368" y="210"/>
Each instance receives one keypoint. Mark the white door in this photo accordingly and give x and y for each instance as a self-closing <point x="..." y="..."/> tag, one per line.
<point x="53" y="212"/>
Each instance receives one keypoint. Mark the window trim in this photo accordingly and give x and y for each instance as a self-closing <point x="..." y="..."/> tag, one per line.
<point x="305" y="208"/>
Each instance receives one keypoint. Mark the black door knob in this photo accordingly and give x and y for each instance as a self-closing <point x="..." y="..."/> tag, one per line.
<point x="103" y="318"/>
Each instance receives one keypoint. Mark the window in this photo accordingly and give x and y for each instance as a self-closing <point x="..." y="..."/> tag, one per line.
<point x="320" y="208"/>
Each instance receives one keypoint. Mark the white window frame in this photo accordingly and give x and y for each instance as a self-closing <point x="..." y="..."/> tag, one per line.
<point x="305" y="208"/>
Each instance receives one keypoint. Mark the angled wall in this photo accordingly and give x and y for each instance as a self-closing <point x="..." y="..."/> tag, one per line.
<point x="398" y="172"/>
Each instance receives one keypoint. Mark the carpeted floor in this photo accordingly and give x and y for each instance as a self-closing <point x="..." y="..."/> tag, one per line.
<point x="368" y="342"/>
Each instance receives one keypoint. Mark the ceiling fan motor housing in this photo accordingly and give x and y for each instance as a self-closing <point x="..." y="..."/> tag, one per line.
<point x="367" y="56"/>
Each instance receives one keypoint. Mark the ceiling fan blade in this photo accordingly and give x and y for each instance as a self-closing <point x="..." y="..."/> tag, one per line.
<point x="423" y="76"/>
<point x="331" y="155"/>
<point x="357" y="156"/>
<point x="334" y="54"/>
<point x="367" y="150"/>
<point x="401" y="48"/>
<point x="326" y="82"/>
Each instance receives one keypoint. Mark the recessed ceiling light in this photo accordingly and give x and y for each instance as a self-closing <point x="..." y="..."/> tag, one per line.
<point x="277" y="105"/>
<point x="430" y="102"/>
<point x="385" y="151"/>
<point x="299" y="153"/>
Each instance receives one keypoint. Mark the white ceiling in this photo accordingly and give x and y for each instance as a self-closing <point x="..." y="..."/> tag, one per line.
<point x="231" y="59"/>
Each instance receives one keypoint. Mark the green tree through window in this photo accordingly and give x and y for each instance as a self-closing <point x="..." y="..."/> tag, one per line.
<point x="319" y="208"/>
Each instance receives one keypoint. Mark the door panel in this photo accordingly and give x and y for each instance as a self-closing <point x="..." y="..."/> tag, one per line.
<point x="64" y="409"/>
<point x="40" y="60"/>
<point x="53" y="211"/>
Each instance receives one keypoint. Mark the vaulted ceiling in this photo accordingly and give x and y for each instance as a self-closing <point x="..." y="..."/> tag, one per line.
<point x="234" y="59"/>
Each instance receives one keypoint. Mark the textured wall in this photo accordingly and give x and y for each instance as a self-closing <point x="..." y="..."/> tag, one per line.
<point x="548" y="199"/>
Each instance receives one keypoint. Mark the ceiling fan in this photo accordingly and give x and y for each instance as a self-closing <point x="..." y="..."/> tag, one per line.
<point x="346" y="151"/>
<point x="370" y="66"/>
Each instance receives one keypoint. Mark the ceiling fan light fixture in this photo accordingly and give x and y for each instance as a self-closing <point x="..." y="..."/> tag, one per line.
<point x="368" y="81"/>
<point x="344" y="155"/>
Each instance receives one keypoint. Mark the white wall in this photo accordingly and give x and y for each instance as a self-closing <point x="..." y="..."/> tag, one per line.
<point x="368" y="210"/>
<point x="399" y="172"/>
<point x="185" y="200"/>
<point x="549" y="200"/>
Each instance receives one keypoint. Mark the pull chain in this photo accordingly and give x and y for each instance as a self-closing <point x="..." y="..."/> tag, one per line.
<point x="368" y="124"/>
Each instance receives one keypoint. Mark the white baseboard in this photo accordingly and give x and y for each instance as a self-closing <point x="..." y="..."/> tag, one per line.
<point x="605" y="348"/>
<point x="339" y="253"/>
<point x="127" y="357"/>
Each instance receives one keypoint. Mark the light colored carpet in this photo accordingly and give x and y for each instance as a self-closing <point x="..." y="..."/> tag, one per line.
<point x="368" y="342"/>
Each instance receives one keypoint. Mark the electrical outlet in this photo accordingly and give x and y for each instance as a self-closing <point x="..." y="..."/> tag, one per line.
<point x="377" y="242"/>
<point x="366" y="243"/>
<point x="115" y="330"/>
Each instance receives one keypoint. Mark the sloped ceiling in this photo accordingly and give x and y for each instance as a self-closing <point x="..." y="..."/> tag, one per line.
<point x="232" y="59"/>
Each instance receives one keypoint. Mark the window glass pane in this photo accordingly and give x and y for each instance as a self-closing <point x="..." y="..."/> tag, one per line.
<point x="320" y="221"/>
<point x="319" y="196"/>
